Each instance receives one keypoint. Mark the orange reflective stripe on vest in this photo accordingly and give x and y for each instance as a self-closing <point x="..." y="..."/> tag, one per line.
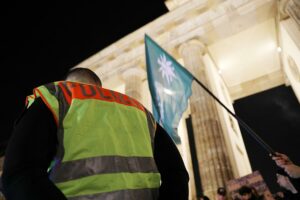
<point x="73" y="90"/>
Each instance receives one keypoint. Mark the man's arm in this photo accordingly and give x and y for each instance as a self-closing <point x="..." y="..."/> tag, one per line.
<point x="174" y="175"/>
<point x="28" y="155"/>
<point x="284" y="162"/>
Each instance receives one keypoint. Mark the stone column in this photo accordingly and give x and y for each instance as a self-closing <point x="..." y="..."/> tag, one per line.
<point x="214" y="164"/>
<point x="133" y="78"/>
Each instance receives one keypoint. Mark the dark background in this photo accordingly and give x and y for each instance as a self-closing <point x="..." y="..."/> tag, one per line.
<point x="275" y="116"/>
<point x="41" y="41"/>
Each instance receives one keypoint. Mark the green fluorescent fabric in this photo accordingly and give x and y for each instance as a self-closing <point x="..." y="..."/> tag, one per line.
<point x="118" y="136"/>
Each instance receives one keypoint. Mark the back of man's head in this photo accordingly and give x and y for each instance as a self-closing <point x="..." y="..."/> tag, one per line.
<point x="83" y="75"/>
<point x="221" y="193"/>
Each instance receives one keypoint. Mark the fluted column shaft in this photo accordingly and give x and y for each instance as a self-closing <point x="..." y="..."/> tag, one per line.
<point x="211" y="151"/>
<point x="133" y="78"/>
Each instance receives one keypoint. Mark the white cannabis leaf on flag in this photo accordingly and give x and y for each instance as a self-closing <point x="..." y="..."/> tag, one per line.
<point x="166" y="68"/>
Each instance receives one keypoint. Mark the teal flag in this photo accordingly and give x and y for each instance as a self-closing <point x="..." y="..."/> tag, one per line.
<point x="170" y="87"/>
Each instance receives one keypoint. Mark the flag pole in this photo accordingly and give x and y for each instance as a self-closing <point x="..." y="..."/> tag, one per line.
<point x="240" y="121"/>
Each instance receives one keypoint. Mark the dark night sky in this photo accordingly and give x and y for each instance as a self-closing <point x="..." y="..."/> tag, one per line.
<point x="41" y="41"/>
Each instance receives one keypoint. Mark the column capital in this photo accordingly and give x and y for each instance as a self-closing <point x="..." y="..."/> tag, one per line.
<point x="134" y="71"/>
<point x="133" y="78"/>
<point x="293" y="10"/>
<point x="282" y="8"/>
<point x="197" y="44"/>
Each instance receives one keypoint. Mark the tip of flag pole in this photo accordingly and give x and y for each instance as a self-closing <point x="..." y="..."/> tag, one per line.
<point x="146" y="36"/>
